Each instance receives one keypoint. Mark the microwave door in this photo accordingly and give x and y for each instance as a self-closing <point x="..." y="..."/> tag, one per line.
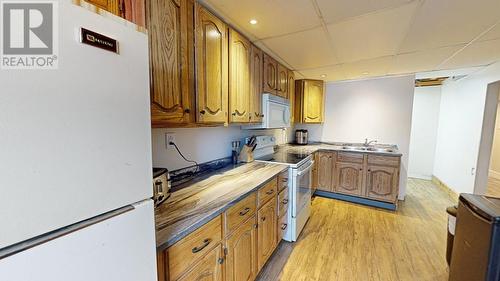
<point x="277" y="115"/>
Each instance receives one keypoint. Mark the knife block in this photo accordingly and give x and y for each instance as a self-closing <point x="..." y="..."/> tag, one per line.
<point x="246" y="154"/>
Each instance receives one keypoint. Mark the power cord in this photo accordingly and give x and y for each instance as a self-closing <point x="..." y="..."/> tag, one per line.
<point x="183" y="157"/>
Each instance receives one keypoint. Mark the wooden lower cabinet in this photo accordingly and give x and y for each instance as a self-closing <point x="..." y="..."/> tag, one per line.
<point x="326" y="162"/>
<point x="241" y="253"/>
<point x="349" y="178"/>
<point x="267" y="231"/>
<point x="207" y="269"/>
<point x="315" y="173"/>
<point x="382" y="183"/>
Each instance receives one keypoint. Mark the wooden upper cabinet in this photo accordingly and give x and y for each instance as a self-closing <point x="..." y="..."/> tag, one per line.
<point x="131" y="10"/>
<point x="112" y="6"/>
<point x="239" y="77"/>
<point x="267" y="231"/>
<point x="326" y="162"/>
<point x="282" y="90"/>
<point x="270" y="75"/>
<point x="241" y="248"/>
<point x="209" y="268"/>
<point x="382" y="183"/>
<point x="256" y="75"/>
<point x="291" y="94"/>
<point x="309" y="101"/>
<point x="211" y="67"/>
<point x="349" y="178"/>
<point x="170" y="29"/>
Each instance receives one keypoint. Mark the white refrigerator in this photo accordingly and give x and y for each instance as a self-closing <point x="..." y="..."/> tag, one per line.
<point x="75" y="159"/>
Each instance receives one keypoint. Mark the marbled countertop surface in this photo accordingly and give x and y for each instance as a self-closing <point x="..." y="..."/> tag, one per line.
<point x="318" y="146"/>
<point x="193" y="206"/>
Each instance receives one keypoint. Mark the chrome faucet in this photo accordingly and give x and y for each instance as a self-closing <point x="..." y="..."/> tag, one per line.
<point x="368" y="143"/>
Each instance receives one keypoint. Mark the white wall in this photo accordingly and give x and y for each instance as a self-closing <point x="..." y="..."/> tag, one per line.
<point x="460" y="123"/>
<point x="379" y="109"/>
<point x="202" y="144"/>
<point x="424" y="132"/>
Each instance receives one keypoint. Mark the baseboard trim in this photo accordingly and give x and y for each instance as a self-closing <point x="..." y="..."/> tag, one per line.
<point x="421" y="177"/>
<point x="494" y="174"/>
<point x="359" y="200"/>
<point x="445" y="188"/>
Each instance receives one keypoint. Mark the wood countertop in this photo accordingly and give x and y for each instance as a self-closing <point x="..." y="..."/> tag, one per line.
<point x="193" y="206"/>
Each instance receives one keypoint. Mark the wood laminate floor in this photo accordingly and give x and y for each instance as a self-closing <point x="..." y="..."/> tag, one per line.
<point x="493" y="187"/>
<point x="348" y="242"/>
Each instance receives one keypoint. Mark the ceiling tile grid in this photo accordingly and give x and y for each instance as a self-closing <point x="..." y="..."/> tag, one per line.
<point x="347" y="39"/>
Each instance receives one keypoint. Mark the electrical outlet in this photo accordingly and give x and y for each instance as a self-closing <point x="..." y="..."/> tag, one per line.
<point x="169" y="138"/>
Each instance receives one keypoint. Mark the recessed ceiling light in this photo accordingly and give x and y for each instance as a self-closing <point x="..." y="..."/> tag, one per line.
<point x="323" y="75"/>
<point x="366" y="73"/>
<point x="253" y="21"/>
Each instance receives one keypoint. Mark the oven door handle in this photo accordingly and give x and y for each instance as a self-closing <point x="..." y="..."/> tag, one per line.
<point x="301" y="172"/>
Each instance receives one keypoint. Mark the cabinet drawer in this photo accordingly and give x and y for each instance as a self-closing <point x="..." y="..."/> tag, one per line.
<point x="382" y="160"/>
<point x="240" y="212"/>
<point x="268" y="191"/>
<point x="283" y="202"/>
<point x="282" y="226"/>
<point x="350" y="157"/>
<point x="183" y="254"/>
<point x="283" y="180"/>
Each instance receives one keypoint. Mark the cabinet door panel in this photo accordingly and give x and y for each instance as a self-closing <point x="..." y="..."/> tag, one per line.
<point x="325" y="171"/>
<point x="291" y="94"/>
<point x="207" y="269"/>
<point x="241" y="259"/>
<point x="282" y="81"/>
<point x="313" y="101"/>
<point x="267" y="236"/>
<point x="270" y="75"/>
<point x="170" y="32"/>
<point x="256" y="75"/>
<point x="349" y="178"/>
<point x="239" y="77"/>
<point x="382" y="183"/>
<point x="212" y="67"/>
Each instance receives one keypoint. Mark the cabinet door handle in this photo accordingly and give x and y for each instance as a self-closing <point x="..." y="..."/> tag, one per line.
<point x="269" y="192"/>
<point x="284" y="180"/>
<point x="285" y="201"/>
<point x="263" y="219"/>
<point x="187" y="110"/>
<point x="199" y="248"/>
<point x="202" y="111"/>
<point x="284" y="226"/>
<point x="369" y="170"/>
<point x="245" y="211"/>
<point x="221" y="260"/>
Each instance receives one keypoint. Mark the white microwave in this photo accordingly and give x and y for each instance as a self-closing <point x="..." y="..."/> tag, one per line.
<point x="276" y="112"/>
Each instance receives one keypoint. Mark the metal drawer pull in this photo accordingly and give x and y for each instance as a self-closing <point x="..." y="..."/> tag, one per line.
<point x="263" y="218"/>
<point x="285" y="201"/>
<point x="270" y="192"/>
<point x="199" y="248"/>
<point x="284" y="226"/>
<point x="284" y="180"/>
<point x="245" y="211"/>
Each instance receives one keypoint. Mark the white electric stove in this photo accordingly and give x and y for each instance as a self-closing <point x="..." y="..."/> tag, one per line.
<point x="299" y="186"/>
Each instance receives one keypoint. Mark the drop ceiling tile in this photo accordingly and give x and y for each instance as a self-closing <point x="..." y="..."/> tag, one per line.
<point x="307" y="49"/>
<point x="368" y="68"/>
<point x="333" y="73"/>
<point x="494" y="33"/>
<point x="421" y="61"/>
<point x="338" y="10"/>
<point x="479" y="53"/>
<point x="275" y="17"/>
<point x="440" y="23"/>
<point x="373" y="35"/>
